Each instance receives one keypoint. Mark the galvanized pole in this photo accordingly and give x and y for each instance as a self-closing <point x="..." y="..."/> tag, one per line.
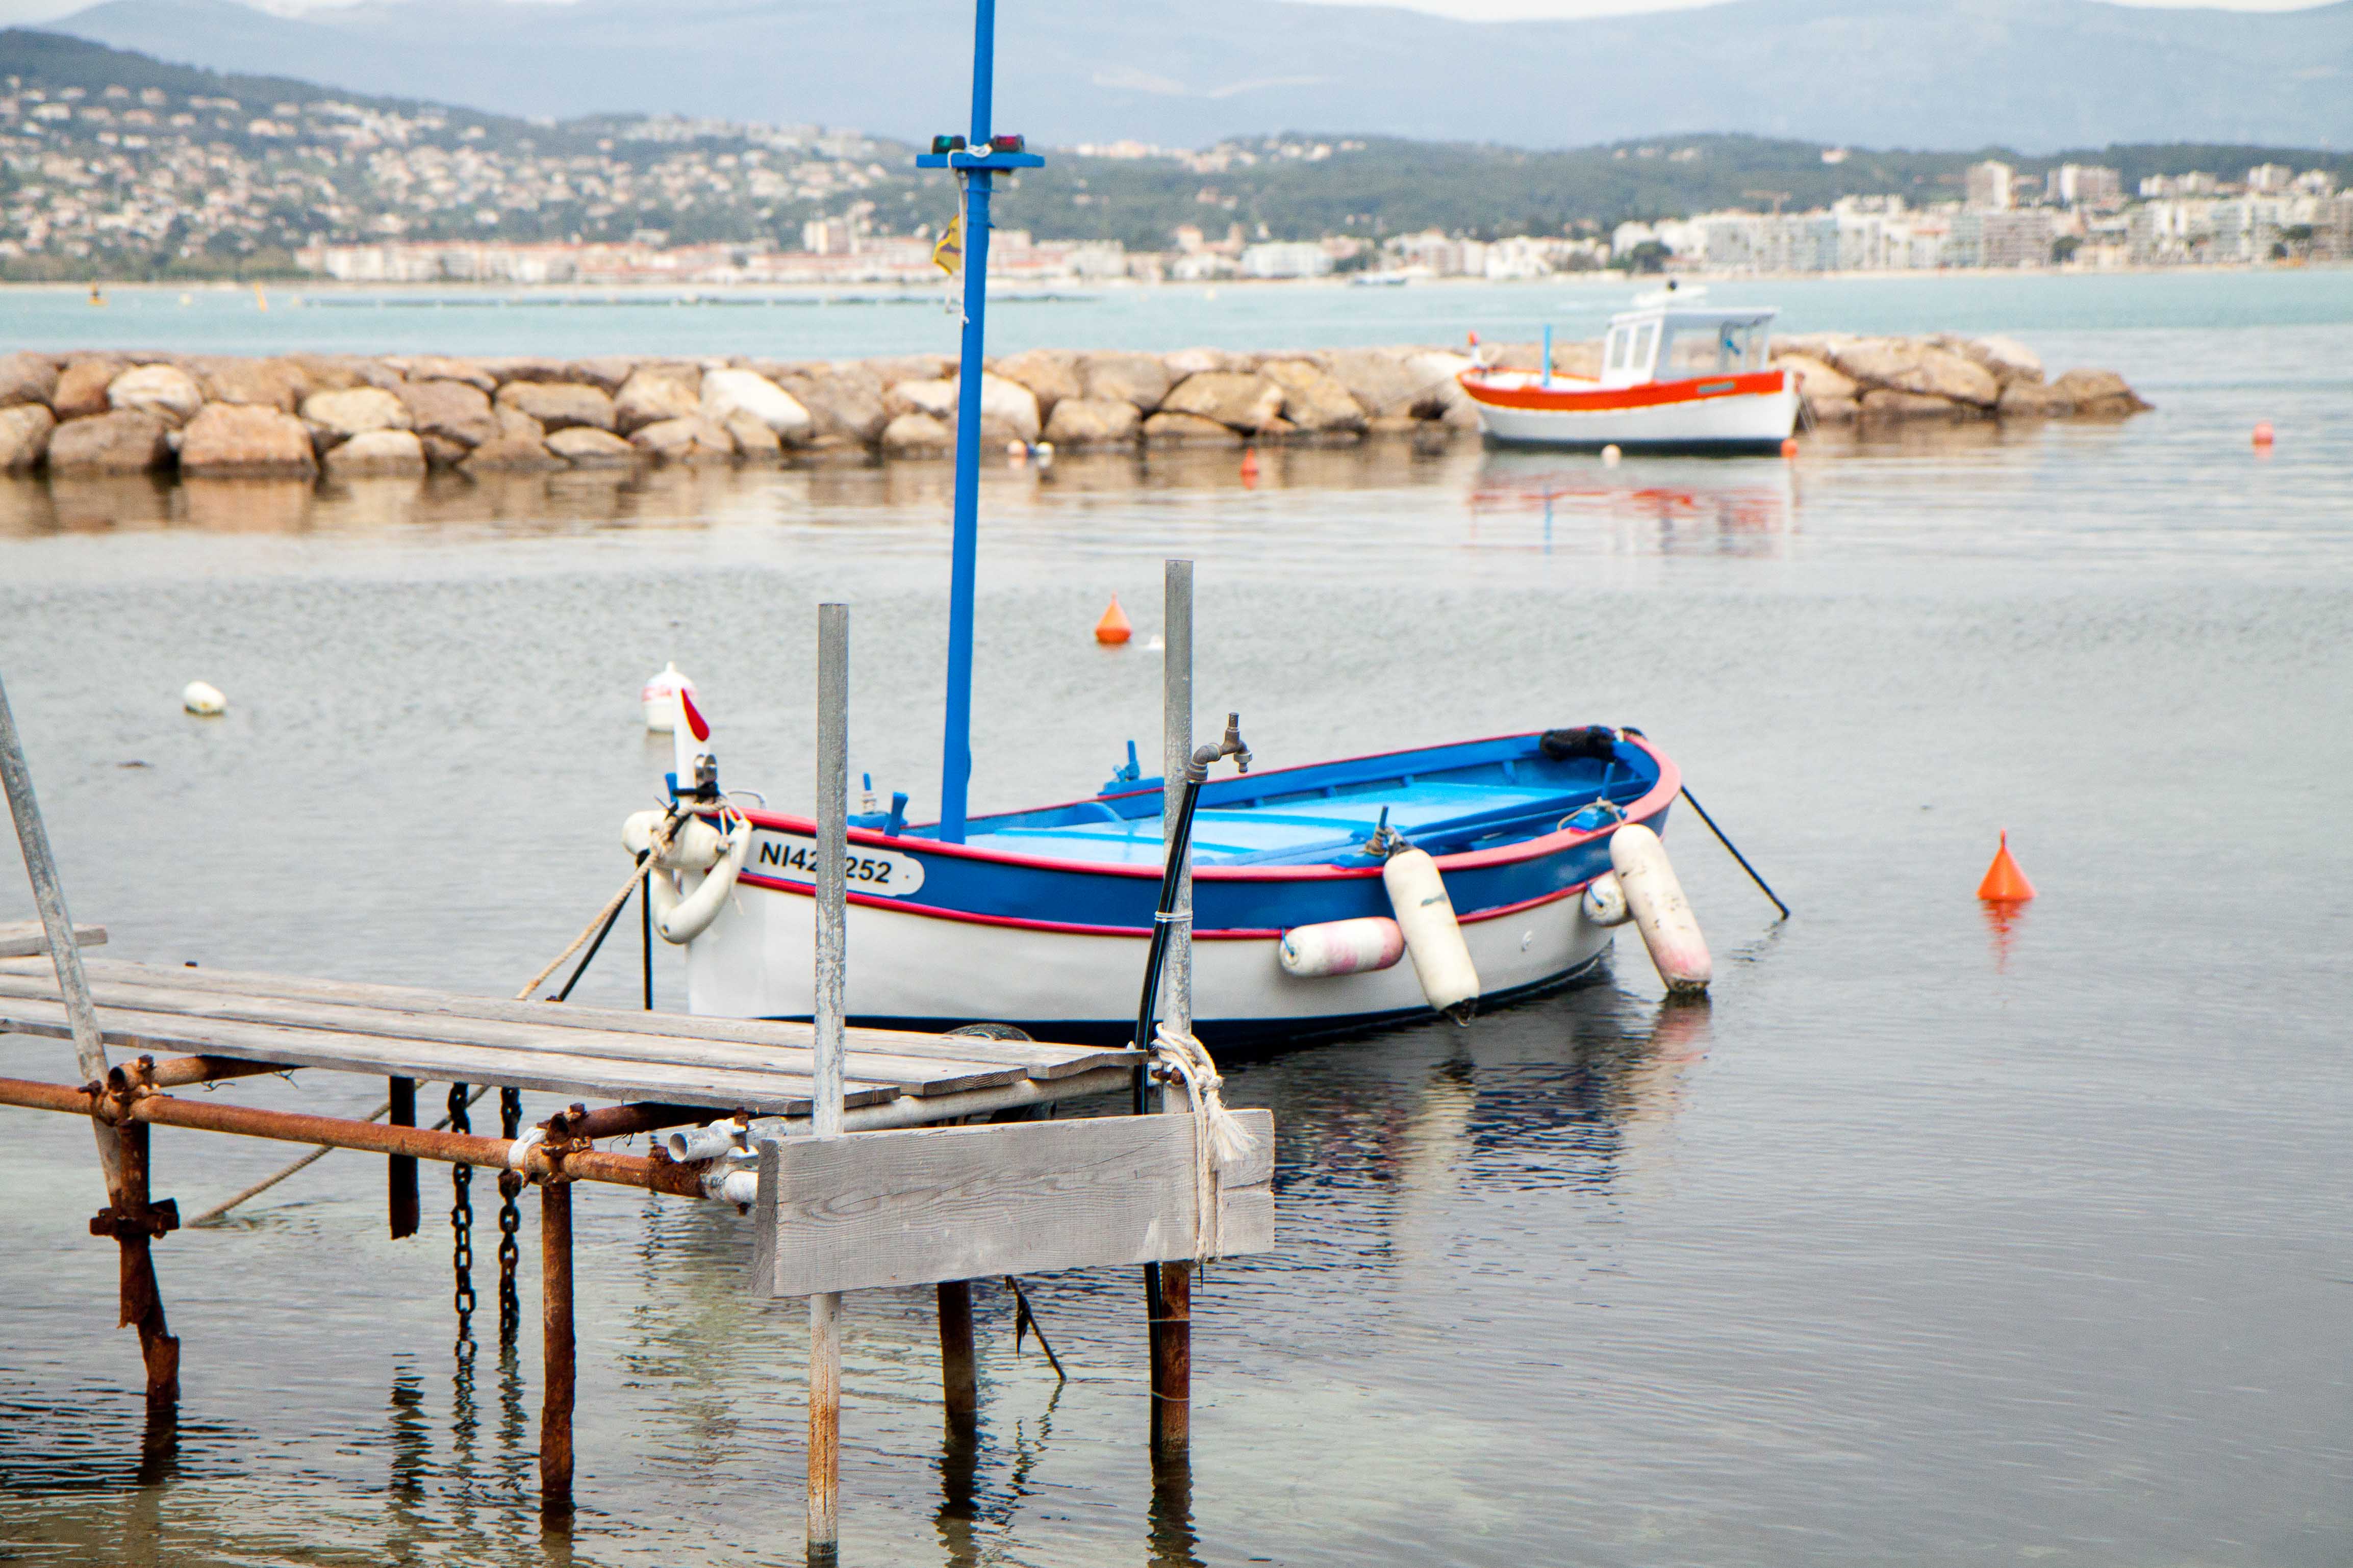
<point x="1168" y="1287"/>
<point x="826" y="1108"/>
<point x="122" y="1159"/>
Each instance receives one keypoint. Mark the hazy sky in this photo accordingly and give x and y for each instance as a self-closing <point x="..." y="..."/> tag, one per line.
<point x="1480" y="10"/>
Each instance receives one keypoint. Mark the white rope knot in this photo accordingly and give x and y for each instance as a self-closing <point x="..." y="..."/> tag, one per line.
<point x="519" y="1152"/>
<point x="1219" y="1141"/>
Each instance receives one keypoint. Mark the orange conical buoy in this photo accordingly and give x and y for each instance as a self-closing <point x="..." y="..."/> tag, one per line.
<point x="1113" y="626"/>
<point x="2004" y="882"/>
<point x="2264" y="432"/>
<point x="1250" y="464"/>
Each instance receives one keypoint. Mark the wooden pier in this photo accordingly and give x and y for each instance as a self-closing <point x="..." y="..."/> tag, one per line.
<point x="874" y="1158"/>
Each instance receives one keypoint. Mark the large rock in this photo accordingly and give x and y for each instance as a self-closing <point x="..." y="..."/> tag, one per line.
<point x="26" y="377"/>
<point x="1195" y="361"/>
<point x="1092" y="422"/>
<point x="278" y="383"/>
<point x="1443" y="397"/>
<point x="341" y="372"/>
<point x="1009" y="410"/>
<point x="1882" y="403"/>
<point x="1314" y="400"/>
<point x="585" y="448"/>
<point x="128" y="442"/>
<point x="163" y="390"/>
<point x="1239" y="400"/>
<point x="893" y="368"/>
<point x="1815" y="379"/>
<point x="655" y="393"/>
<point x="845" y="403"/>
<point x="559" y="405"/>
<point x="936" y="396"/>
<point x="752" y="435"/>
<point x="517" y="449"/>
<point x="689" y="439"/>
<point x="456" y="411"/>
<point x="1378" y="379"/>
<point x="2033" y="400"/>
<point x="441" y="367"/>
<point x="378" y="452"/>
<point x="442" y="452"/>
<point x="1171" y="428"/>
<point x="732" y="397"/>
<point x="25" y="436"/>
<point x="917" y="434"/>
<point x="1049" y="375"/>
<point x="606" y="376"/>
<point x="1898" y="364"/>
<point x="2005" y="359"/>
<point x="337" y="416"/>
<point x="245" y="437"/>
<point x="2100" y="393"/>
<point x="1139" y="379"/>
<point x="80" y="390"/>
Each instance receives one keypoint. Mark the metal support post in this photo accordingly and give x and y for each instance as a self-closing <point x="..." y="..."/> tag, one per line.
<point x="559" y="1368"/>
<point x="1168" y="1287"/>
<point x="400" y="1170"/>
<point x="826" y="1106"/>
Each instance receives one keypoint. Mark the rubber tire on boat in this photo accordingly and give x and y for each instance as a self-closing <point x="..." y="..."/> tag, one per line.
<point x="990" y="1032"/>
<point x="1599" y="741"/>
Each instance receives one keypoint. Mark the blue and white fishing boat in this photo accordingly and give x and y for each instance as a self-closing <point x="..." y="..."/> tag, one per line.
<point x="1325" y="896"/>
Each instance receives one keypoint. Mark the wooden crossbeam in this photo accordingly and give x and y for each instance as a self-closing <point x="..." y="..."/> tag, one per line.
<point x="24" y="939"/>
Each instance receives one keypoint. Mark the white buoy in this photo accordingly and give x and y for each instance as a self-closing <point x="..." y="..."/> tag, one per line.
<point x="1660" y="913"/>
<point x="204" y="698"/>
<point x="1340" y="947"/>
<point x="1609" y="455"/>
<point x="1604" y="902"/>
<point x="661" y="698"/>
<point x="1441" y="959"/>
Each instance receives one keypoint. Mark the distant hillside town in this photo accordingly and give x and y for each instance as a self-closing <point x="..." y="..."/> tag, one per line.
<point x="116" y="166"/>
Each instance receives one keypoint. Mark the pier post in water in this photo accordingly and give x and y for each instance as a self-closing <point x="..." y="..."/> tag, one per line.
<point x="959" y="1371"/>
<point x="827" y="1109"/>
<point x="121" y="1150"/>
<point x="557" y="1354"/>
<point x="400" y="1170"/>
<point x="1168" y="1287"/>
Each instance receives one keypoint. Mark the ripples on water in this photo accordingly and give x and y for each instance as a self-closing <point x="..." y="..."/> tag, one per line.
<point x="1931" y="1240"/>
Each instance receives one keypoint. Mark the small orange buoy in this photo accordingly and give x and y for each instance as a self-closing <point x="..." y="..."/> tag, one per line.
<point x="1114" y="627"/>
<point x="1788" y="446"/>
<point x="2004" y="882"/>
<point x="2263" y="433"/>
<point x="1250" y="463"/>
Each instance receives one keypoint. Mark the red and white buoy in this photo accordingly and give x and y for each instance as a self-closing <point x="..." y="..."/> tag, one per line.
<point x="660" y="695"/>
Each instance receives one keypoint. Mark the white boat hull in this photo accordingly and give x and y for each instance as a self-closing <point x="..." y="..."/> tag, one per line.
<point x="1759" y="420"/>
<point x="916" y="970"/>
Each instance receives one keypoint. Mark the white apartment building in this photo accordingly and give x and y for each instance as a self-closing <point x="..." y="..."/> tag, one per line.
<point x="1993" y="187"/>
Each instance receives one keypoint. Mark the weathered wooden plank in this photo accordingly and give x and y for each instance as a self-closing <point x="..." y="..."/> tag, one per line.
<point x="551" y="1028"/>
<point x="24" y="939"/>
<point x="914" y="1208"/>
<point x="1042" y="1059"/>
<point x="556" y="1072"/>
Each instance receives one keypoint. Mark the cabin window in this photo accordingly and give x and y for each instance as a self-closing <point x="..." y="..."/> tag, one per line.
<point x="1640" y="356"/>
<point x="1618" y="349"/>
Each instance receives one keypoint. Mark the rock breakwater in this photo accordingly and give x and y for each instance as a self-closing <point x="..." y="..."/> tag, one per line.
<point x="303" y="415"/>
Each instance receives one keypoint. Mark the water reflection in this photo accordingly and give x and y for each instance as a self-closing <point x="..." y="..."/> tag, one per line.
<point x="1676" y="506"/>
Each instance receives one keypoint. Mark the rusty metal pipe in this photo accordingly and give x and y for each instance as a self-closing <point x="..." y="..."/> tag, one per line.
<point x="424" y="1143"/>
<point x="557" y="1348"/>
<point x="174" y="1071"/>
<point x="626" y="1121"/>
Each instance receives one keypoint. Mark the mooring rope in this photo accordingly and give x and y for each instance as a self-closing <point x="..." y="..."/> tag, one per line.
<point x="1219" y="1142"/>
<point x="657" y="844"/>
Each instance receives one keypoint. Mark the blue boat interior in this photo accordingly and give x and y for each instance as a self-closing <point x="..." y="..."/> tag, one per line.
<point x="1447" y="800"/>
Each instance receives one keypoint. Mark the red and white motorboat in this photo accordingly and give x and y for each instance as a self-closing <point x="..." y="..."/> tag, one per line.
<point x="1674" y="377"/>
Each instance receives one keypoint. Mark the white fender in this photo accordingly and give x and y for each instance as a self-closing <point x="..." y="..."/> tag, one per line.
<point x="1340" y="947"/>
<point x="1656" y="899"/>
<point x="695" y="846"/>
<point x="1604" y="901"/>
<point x="1441" y="959"/>
<point x="682" y="914"/>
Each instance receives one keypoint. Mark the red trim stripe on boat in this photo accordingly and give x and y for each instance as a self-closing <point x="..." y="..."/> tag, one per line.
<point x="1649" y="395"/>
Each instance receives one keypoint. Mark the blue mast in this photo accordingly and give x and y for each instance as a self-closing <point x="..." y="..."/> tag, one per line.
<point x="974" y="163"/>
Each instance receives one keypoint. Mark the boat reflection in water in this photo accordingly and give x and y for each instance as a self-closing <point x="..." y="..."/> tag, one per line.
<point x="1643" y="506"/>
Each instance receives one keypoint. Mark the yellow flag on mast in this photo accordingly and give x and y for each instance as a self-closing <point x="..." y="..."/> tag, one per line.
<point x="948" y="253"/>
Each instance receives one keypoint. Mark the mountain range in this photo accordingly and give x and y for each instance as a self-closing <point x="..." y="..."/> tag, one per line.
<point x="2030" y="74"/>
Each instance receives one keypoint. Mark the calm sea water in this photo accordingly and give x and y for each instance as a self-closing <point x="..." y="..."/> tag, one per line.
<point x="1932" y="1239"/>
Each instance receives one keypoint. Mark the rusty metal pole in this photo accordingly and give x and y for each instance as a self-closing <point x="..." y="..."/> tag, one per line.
<point x="556" y="1354"/>
<point x="128" y="1217"/>
<point x="959" y="1371"/>
<point x="826" y="1100"/>
<point x="1168" y="1287"/>
<point x="400" y="1170"/>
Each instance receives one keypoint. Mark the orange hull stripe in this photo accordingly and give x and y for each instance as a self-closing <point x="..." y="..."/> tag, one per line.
<point x="1650" y="394"/>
